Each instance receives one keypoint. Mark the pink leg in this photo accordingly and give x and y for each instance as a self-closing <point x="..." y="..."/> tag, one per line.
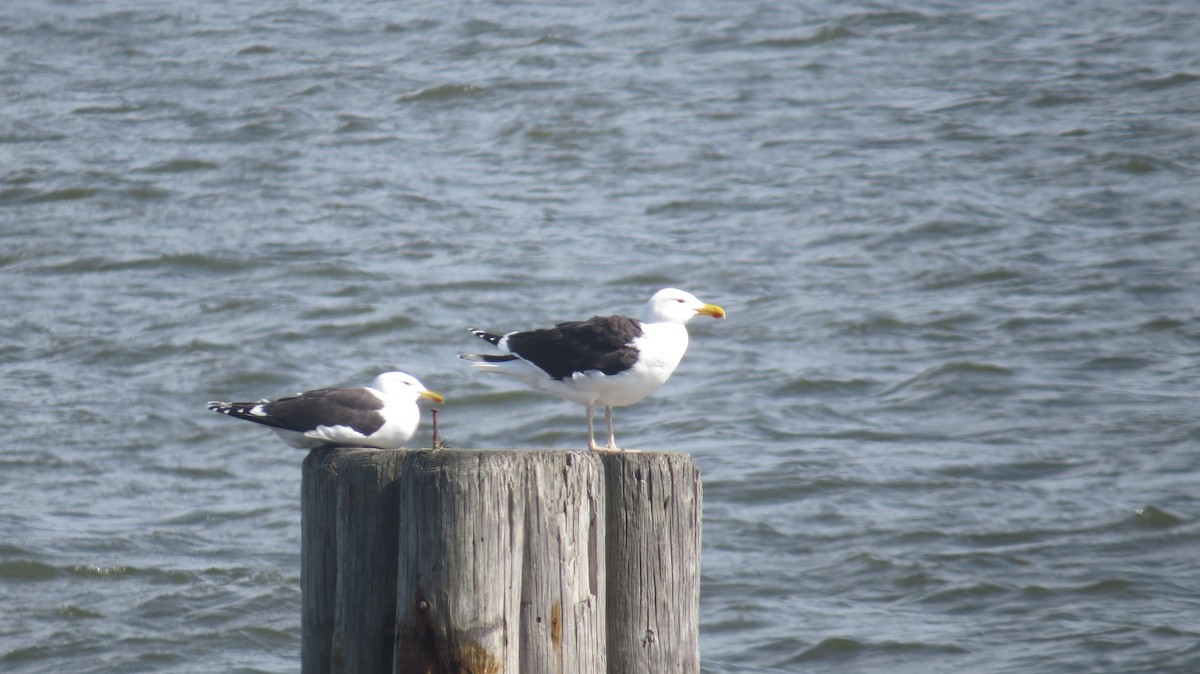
<point x="612" y="439"/>
<point x="591" y="434"/>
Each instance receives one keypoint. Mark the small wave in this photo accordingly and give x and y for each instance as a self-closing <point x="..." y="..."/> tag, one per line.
<point x="715" y="666"/>
<point x="956" y="378"/>
<point x="337" y="311"/>
<point x="1156" y="518"/>
<point x="267" y="638"/>
<point x="805" y="386"/>
<point x="383" y="326"/>
<point x="16" y="195"/>
<point x="885" y="18"/>
<point x="106" y="109"/>
<point x="180" y="166"/>
<point x="939" y="230"/>
<point x="555" y="40"/>
<point x="964" y="595"/>
<point x="194" y="473"/>
<point x="93" y="571"/>
<point x="32" y="136"/>
<point x="443" y="93"/>
<point x="256" y="50"/>
<point x="64" y="194"/>
<point x="1109" y="586"/>
<point x="475" y="27"/>
<point x="1168" y="82"/>
<point x="872" y="325"/>
<point x="826" y="34"/>
<point x="190" y="261"/>
<point x="355" y="124"/>
<point x="707" y="207"/>
<point x="8" y="549"/>
<point x="24" y="569"/>
<point x="28" y="653"/>
<point x="957" y="278"/>
<point x="1118" y="363"/>
<point x="830" y="647"/>
<point x="870" y="435"/>
<point x="844" y="648"/>
<point x="146" y="193"/>
<point x="76" y="613"/>
<point x="207" y="516"/>
<point x="1133" y="163"/>
<point x="1022" y="323"/>
<point x="643" y="280"/>
<point x="985" y="102"/>
<point x="422" y="25"/>
<point x="791" y="491"/>
<point x="1016" y="470"/>
<point x="1053" y="100"/>
<point x="1162" y="323"/>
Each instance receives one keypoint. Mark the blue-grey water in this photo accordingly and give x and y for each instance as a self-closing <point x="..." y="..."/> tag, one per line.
<point x="951" y="424"/>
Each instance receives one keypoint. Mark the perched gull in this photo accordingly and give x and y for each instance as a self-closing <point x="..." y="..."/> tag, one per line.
<point x="610" y="361"/>
<point x="383" y="415"/>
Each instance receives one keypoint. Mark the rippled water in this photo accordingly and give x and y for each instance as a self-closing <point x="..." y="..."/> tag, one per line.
<point x="950" y="425"/>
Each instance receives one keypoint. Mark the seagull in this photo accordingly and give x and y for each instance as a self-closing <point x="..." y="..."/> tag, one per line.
<point x="606" y="361"/>
<point x="383" y="415"/>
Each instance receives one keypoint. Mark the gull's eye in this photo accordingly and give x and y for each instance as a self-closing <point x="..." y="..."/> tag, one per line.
<point x="679" y="300"/>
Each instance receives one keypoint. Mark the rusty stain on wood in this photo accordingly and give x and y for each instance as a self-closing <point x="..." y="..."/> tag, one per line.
<point x="556" y="633"/>
<point x="475" y="659"/>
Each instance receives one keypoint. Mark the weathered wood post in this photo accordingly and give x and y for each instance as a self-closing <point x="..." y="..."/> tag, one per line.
<point x="500" y="562"/>
<point x="367" y="545"/>
<point x="347" y="570"/>
<point x="318" y="559"/>
<point x="653" y="562"/>
<point x="499" y="569"/>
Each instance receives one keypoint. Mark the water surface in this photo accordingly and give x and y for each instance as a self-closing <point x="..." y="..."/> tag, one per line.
<point x="949" y="426"/>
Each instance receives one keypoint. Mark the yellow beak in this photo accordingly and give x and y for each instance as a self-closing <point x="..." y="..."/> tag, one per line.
<point x="434" y="396"/>
<point x="711" y="310"/>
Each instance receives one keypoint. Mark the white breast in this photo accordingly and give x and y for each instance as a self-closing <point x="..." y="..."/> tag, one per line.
<point x="660" y="350"/>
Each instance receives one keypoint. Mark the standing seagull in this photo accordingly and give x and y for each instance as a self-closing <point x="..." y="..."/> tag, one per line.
<point x="383" y="415"/>
<point x="609" y="361"/>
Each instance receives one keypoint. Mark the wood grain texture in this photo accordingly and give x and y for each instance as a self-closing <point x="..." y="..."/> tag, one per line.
<point x="500" y="572"/>
<point x="653" y="562"/>
<point x="491" y="561"/>
<point x="562" y="598"/>
<point x="318" y="559"/>
<point x="367" y="547"/>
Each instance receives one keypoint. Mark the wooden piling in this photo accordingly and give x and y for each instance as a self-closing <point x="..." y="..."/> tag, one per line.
<point x="496" y="561"/>
<point x="653" y="562"/>
<point x="318" y="559"/>
<point x="367" y="545"/>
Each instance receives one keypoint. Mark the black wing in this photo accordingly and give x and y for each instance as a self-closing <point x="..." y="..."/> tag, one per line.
<point x="354" y="407"/>
<point x="599" y="343"/>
